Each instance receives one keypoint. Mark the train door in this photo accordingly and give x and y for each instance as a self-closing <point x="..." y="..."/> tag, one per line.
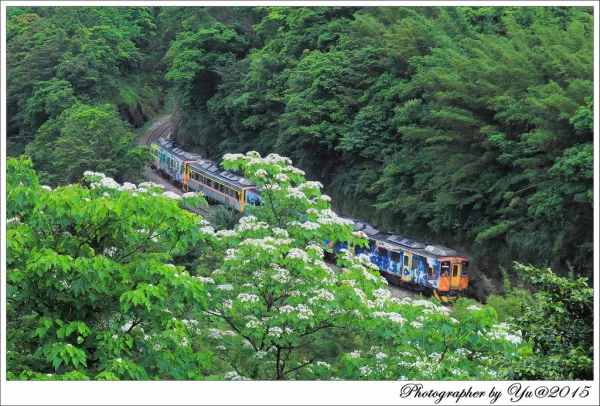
<point x="444" y="280"/>
<point x="406" y="262"/>
<point x="455" y="276"/>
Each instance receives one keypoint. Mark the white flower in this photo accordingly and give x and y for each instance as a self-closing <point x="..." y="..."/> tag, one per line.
<point x="275" y="331"/>
<point x="309" y="225"/>
<point x="416" y="324"/>
<point x="260" y="354"/>
<point x="304" y="312"/>
<point x="299" y="254"/>
<point x="225" y="287"/>
<point x="115" y="336"/>
<point x="205" y="279"/>
<point x="253" y="324"/>
<point x="325" y="198"/>
<point x="13" y="220"/>
<point x="260" y="173"/>
<point x="46" y="187"/>
<point x="281" y="177"/>
<point x="127" y="186"/>
<point x="232" y="376"/>
<point x="171" y="195"/>
<point x="380" y="355"/>
<point x="110" y="251"/>
<point x="190" y="194"/>
<point x="355" y="354"/>
<point x="244" y="297"/>
<point x="127" y="326"/>
<point x="119" y="360"/>
<point x="473" y="307"/>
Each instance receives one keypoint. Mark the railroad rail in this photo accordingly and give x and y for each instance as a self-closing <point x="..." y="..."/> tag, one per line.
<point x="158" y="132"/>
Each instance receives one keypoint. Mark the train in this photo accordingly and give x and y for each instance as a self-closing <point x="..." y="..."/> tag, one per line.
<point x="194" y="173"/>
<point x="403" y="261"/>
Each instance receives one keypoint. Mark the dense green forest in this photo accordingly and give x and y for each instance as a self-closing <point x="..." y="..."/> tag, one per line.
<point x="467" y="126"/>
<point x="470" y="127"/>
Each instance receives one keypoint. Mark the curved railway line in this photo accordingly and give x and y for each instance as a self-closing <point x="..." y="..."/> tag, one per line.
<point x="163" y="129"/>
<point x="158" y="132"/>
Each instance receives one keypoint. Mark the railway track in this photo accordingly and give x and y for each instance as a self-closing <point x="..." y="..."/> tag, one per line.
<point x="162" y="130"/>
<point x="159" y="132"/>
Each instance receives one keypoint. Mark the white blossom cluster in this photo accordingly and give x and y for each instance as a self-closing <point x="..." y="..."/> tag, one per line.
<point x="296" y="253"/>
<point x="310" y="185"/>
<point x="280" y="275"/>
<point x="217" y="334"/>
<point x="280" y="232"/>
<point x="260" y="173"/>
<point x="304" y="312"/>
<point x="204" y="279"/>
<point x="244" y="297"/>
<point x="281" y="177"/>
<point x="318" y="250"/>
<point x="171" y="195"/>
<point x="395" y="317"/>
<point x="293" y="193"/>
<point x="329" y="217"/>
<point x="192" y="194"/>
<point x="501" y="332"/>
<point x="233" y="157"/>
<point x="275" y="332"/>
<point x="110" y="251"/>
<point x="321" y="294"/>
<point x="234" y="376"/>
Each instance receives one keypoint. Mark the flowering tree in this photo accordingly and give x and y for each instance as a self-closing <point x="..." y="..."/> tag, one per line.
<point x="91" y="292"/>
<point x="89" y="288"/>
<point x="275" y="303"/>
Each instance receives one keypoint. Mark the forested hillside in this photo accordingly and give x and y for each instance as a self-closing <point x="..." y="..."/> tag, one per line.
<point x="77" y="78"/>
<point x="466" y="126"/>
<point x="470" y="127"/>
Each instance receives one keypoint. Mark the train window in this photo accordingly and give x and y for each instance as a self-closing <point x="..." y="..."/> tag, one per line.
<point x="465" y="267"/>
<point x="394" y="256"/>
<point x="454" y="270"/>
<point x="383" y="252"/>
<point x="445" y="269"/>
<point x="405" y="260"/>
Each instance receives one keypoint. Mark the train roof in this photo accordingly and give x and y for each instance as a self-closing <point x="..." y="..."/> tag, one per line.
<point x="217" y="172"/>
<point x="176" y="150"/>
<point x="392" y="241"/>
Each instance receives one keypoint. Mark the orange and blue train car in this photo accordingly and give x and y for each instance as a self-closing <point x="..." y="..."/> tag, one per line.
<point x="413" y="264"/>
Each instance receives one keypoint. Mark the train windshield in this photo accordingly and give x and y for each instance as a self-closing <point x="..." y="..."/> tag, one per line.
<point x="465" y="268"/>
<point x="445" y="269"/>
